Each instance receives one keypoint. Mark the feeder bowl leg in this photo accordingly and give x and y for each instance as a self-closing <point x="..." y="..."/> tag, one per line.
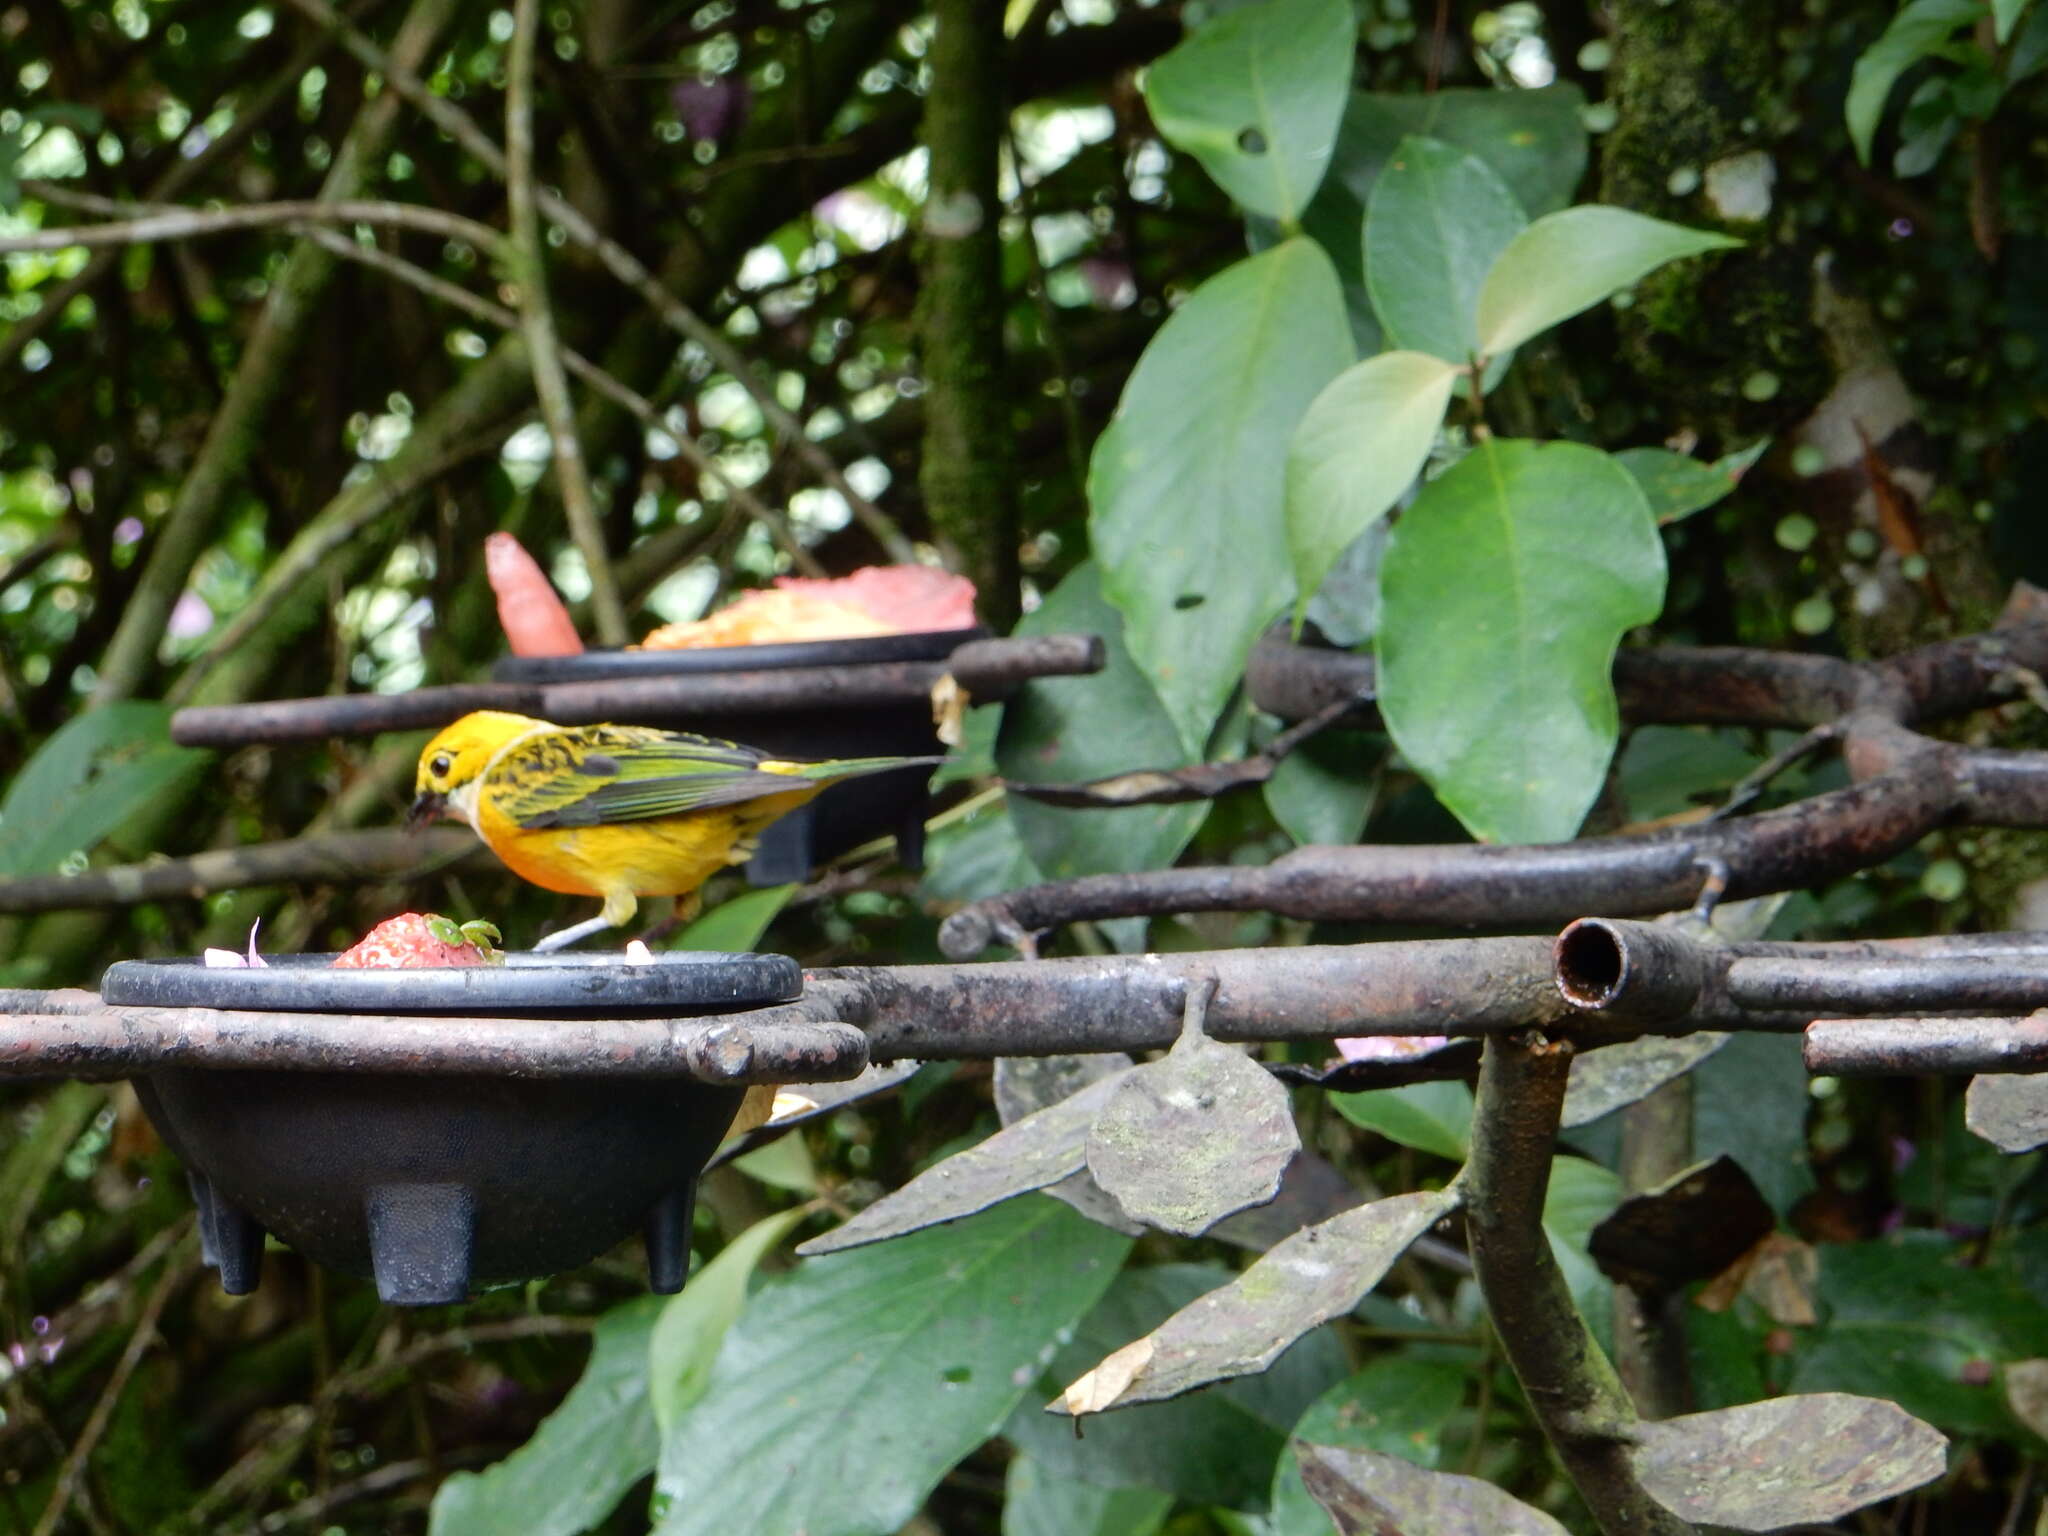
<point x="237" y="1239"/>
<point x="202" y="1202"/>
<point x="783" y="853"/>
<point x="420" y="1241"/>
<point x="910" y="837"/>
<point x="667" y="1239"/>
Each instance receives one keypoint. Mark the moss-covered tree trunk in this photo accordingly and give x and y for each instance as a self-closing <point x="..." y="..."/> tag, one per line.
<point x="968" y="473"/>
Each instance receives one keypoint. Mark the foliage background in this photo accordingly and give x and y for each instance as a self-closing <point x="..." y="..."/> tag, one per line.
<point x="178" y="421"/>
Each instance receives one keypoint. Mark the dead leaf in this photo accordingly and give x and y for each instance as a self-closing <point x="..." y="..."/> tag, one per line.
<point x="1368" y="1494"/>
<point x="1689" y="1227"/>
<point x="2026" y="1394"/>
<point x="2009" y="1110"/>
<point x="1779" y="1274"/>
<point x="1038" y="1150"/>
<point x="1319" y="1273"/>
<point x="949" y="709"/>
<point x="1101" y="1387"/>
<point x="1806" y="1459"/>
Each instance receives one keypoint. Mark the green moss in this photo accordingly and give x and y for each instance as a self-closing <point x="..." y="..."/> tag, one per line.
<point x="1695" y="84"/>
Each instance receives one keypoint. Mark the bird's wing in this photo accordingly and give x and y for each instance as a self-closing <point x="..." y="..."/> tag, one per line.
<point x="608" y="774"/>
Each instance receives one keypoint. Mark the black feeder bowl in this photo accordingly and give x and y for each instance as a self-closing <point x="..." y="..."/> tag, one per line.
<point x="845" y="815"/>
<point x="434" y="1184"/>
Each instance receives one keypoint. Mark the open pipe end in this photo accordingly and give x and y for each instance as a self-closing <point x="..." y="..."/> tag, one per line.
<point x="1591" y="963"/>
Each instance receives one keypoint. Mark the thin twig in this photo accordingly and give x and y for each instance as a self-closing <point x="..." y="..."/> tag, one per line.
<point x="537" y="324"/>
<point x="197" y="223"/>
<point x="1753" y="783"/>
<point x="623" y="265"/>
<point x="606" y="384"/>
<point x="179" y="1269"/>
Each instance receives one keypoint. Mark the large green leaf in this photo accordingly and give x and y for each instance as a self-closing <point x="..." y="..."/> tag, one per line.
<point x="1039" y="1502"/>
<point x="1923" y="29"/>
<point x="1750" y="1102"/>
<point x="1571" y="260"/>
<point x="1361" y="445"/>
<point x="1507" y="586"/>
<point x="584" y="1456"/>
<point x="1322" y="791"/>
<point x="1581" y="1195"/>
<point x="1218" y="1446"/>
<point x="1185" y="486"/>
<point x="693" y="1324"/>
<point x="1913" y="1320"/>
<point x="1397" y="1406"/>
<point x="1256" y="95"/>
<point x="1431" y="1117"/>
<point x="1062" y="729"/>
<point x="1534" y="140"/>
<point x="736" y="926"/>
<point x="850" y="1385"/>
<point x="81" y="784"/>
<point x="1438" y="218"/>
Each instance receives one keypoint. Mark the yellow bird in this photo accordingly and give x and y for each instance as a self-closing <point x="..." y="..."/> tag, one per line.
<point x="614" y="811"/>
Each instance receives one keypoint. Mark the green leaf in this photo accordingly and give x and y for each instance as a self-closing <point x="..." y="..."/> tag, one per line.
<point x="2005" y="15"/>
<point x="1397" y="1406"/>
<point x="1507" y="586"/>
<point x="1582" y="1194"/>
<point x="694" y="1322"/>
<point x="584" y="1456"/>
<point x="1535" y="141"/>
<point x="87" y="779"/>
<point x="1361" y="445"/>
<point x="1038" y="1502"/>
<point x="1913" y="1320"/>
<point x="1438" y="219"/>
<point x="1186" y="485"/>
<point x="1569" y="261"/>
<point x="736" y="926"/>
<point x="1750" y="1102"/>
<point x="1675" y="484"/>
<point x="1322" y="791"/>
<point x="1218" y="1446"/>
<point x="1430" y="1117"/>
<point x="1061" y="730"/>
<point x="1255" y="95"/>
<point x="1921" y="30"/>
<point x="851" y="1385"/>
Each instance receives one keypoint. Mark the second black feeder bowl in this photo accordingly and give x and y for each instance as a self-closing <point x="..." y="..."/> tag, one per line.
<point x="845" y="815"/>
<point x="433" y="1184"/>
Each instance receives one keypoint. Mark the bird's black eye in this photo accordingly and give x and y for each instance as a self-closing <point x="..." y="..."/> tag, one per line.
<point x="439" y="766"/>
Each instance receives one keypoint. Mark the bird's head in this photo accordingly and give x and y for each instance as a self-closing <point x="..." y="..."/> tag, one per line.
<point x="452" y="765"/>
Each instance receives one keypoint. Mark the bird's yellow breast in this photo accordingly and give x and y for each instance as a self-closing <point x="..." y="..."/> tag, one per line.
<point x="663" y="856"/>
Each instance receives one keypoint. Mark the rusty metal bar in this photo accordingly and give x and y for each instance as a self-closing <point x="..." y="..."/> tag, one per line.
<point x="1636" y="971"/>
<point x="986" y="669"/>
<point x="798" y="1042"/>
<point x="1882" y="1047"/>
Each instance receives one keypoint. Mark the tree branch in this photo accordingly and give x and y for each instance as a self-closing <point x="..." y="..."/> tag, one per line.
<point x="967" y="471"/>
<point x="537" y="324"/>
<point x="1572" y="1389"/>
<point x="194" y="223"/>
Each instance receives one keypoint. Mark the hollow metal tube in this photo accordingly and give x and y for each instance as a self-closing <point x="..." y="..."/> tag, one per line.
<point x="1886" y="1047"/>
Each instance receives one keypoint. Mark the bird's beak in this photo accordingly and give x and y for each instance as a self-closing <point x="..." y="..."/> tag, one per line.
<point x="427" y="807"/>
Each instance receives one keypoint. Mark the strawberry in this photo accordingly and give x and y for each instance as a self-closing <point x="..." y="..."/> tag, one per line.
<point x="422" y="938"/>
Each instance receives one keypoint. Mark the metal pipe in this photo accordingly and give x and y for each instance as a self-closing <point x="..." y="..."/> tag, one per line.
<point x="1884" y="1047"/>
<point x="986" y="669"/>
<point x="798" y="1042"/>
<point x="1891" y="984"/>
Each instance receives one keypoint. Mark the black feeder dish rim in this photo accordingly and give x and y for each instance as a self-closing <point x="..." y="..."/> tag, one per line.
<point x="435" y="1184"/>
<point x="843" y="816"/>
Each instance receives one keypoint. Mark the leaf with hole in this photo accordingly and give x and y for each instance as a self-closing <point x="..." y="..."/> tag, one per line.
<point x="1571" y="260"/>
<point x="1361" y="444"/>
<point x="1789" y="1461"/>
<point x="1187" y="484"/>
<point x="1506" y="590"/>
<point x="1255" y="95"/>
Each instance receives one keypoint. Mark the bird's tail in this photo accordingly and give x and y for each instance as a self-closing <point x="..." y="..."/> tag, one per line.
<point x="832" y="772"/>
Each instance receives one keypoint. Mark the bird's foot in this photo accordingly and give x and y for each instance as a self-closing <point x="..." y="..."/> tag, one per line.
<point x="574" y="933"/>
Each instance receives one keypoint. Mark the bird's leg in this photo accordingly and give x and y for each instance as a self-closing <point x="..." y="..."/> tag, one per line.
<point x="619" y="907"/>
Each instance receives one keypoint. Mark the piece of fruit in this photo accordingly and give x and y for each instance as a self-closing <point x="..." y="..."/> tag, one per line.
<point x="423" y="938"/>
